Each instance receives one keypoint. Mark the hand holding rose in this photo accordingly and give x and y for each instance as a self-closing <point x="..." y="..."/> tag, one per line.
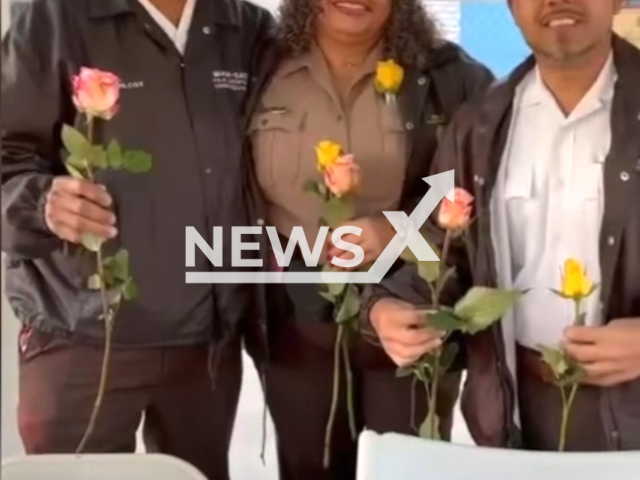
<point x="376" y="234"/>
<point x="403" y="332"/>
<point x="609" y="354"/>
<point x="76" y="207"/>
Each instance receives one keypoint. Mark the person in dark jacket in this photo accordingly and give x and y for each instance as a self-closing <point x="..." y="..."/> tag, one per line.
<point x="552" y="157"/>
<point x="183" y="102"/>
<point x="320" y="86"/>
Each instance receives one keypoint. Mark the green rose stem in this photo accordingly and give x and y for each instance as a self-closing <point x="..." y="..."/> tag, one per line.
<point x="567" y="400"/>
<point x="334" y="396"/>
<point x="107" y="317"/>
<point x="433" y="390"/>
<point x="567" y="403"/>
<point x="349" y="380"/>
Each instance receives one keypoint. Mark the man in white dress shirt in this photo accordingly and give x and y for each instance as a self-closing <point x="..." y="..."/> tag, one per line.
<point x="552" y="157"/>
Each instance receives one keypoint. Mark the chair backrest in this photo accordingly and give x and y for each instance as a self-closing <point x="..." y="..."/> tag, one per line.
<point x="399" y="457"/>
<point x="99" y="467"/>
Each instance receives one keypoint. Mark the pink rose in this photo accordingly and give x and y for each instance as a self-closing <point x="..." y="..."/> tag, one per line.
<point x="342" y="176"/>
<point x="456" y="215"/>
<point x="96" y="93"/>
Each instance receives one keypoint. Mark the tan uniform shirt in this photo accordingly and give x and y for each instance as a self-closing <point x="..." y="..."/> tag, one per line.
<point x="300" y="108"/>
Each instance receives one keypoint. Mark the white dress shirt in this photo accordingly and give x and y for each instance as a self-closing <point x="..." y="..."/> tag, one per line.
<point x="549" y="203"/>
<point x="178" y="35"/>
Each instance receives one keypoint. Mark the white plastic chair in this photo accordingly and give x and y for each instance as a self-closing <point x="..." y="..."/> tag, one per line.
<point x="99" y="467"/>
<point x="399" y="457"/>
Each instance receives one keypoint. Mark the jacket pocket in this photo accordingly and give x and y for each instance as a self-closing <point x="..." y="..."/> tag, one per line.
<point x="33" y="343"/>
<point x="276" y="143"/>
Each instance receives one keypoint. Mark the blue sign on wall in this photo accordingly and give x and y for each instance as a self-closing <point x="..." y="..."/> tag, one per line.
<point x="489" y="34"/>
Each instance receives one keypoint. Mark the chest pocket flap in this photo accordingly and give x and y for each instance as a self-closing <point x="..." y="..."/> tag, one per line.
<point x="276" y="142"/>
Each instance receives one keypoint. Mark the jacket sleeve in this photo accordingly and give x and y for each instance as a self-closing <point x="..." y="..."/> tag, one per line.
<point x="33" y="106"/>
<point x="403" y="281"/>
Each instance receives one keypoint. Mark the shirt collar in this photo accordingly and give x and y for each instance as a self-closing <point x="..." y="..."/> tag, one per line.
<point x="224" y="12"/>
<point x="315" y="61"/>
<point x="533" y="91"/>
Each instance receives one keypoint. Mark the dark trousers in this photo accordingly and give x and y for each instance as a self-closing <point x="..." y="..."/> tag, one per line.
<point x="183" y="415"/>
<point x="299" y="381"/>
<point x="541" y="411"/>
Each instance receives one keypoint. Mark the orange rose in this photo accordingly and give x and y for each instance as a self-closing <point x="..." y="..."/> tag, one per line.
<point x="342" y="176"/>
<point x="96" y="93"/>
<point x="456" y="215"/>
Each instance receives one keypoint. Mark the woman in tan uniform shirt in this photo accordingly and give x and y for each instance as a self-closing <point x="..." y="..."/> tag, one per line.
<point x="323" y="89"/>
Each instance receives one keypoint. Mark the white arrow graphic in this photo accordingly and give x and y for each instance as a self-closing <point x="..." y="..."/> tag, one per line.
<point x="408" y="236"/>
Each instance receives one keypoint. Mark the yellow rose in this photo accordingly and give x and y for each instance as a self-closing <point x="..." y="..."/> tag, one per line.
<point x="575" y="282"/>
<point x="389" y="76"/>
<point x="328" y="153"/>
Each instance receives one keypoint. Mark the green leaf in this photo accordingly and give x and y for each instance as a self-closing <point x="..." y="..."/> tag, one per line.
<point x="423" y="373"/>
<point x="75" y="142"/>
<point x="448" y="356"/>
<point x="74" y="172"/>
<point x="336" y="289"/>
<point x="429" y="271"/>
<point x="575" y="374"/>
<point x="560" y="294"/>
<point x="556" y="359"/>
<point x="120" y="265"/>
<point x="445" y="321"/>
<point x="430" y="429"/>
<point x="114" y="155"/>
<point x="482" y="306"/>
<point x="336" y="211"/>
<point x="136" y="161"/>
<point x="97" y="157"/>
<point x="92" y="242"/>
<point x="404" y="372"/>
<point x="129" y="289"/>
<point x="94" y="282"/>
<point x="77" y="162"/>
<point x="425" y="366"/>
<point x="333" y="289"/>
<point x="312" y="186"/>
<point x="350" y="305"/>
<point x="327" y="296"/>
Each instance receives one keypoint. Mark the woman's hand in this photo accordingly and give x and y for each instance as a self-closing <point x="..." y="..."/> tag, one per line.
<point x="376" y="234"/>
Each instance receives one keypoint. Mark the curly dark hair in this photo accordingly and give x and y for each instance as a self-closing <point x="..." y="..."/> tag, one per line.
<point x="410" y="34"/>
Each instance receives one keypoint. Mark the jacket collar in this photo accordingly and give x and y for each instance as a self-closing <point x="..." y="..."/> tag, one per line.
<point x="499" y="98"/>
<point x="626" y="59"/>
<point x="224" y="12"/>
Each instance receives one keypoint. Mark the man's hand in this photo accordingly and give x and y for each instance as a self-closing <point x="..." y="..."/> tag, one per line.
<point x="403" y="331"/>
<point x="376" y="234"/>
<point x="609" y="354"/>
<point x="75" y="207"/>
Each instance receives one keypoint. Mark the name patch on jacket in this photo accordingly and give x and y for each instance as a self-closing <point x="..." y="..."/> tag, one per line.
<point x="225" y="80"/>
